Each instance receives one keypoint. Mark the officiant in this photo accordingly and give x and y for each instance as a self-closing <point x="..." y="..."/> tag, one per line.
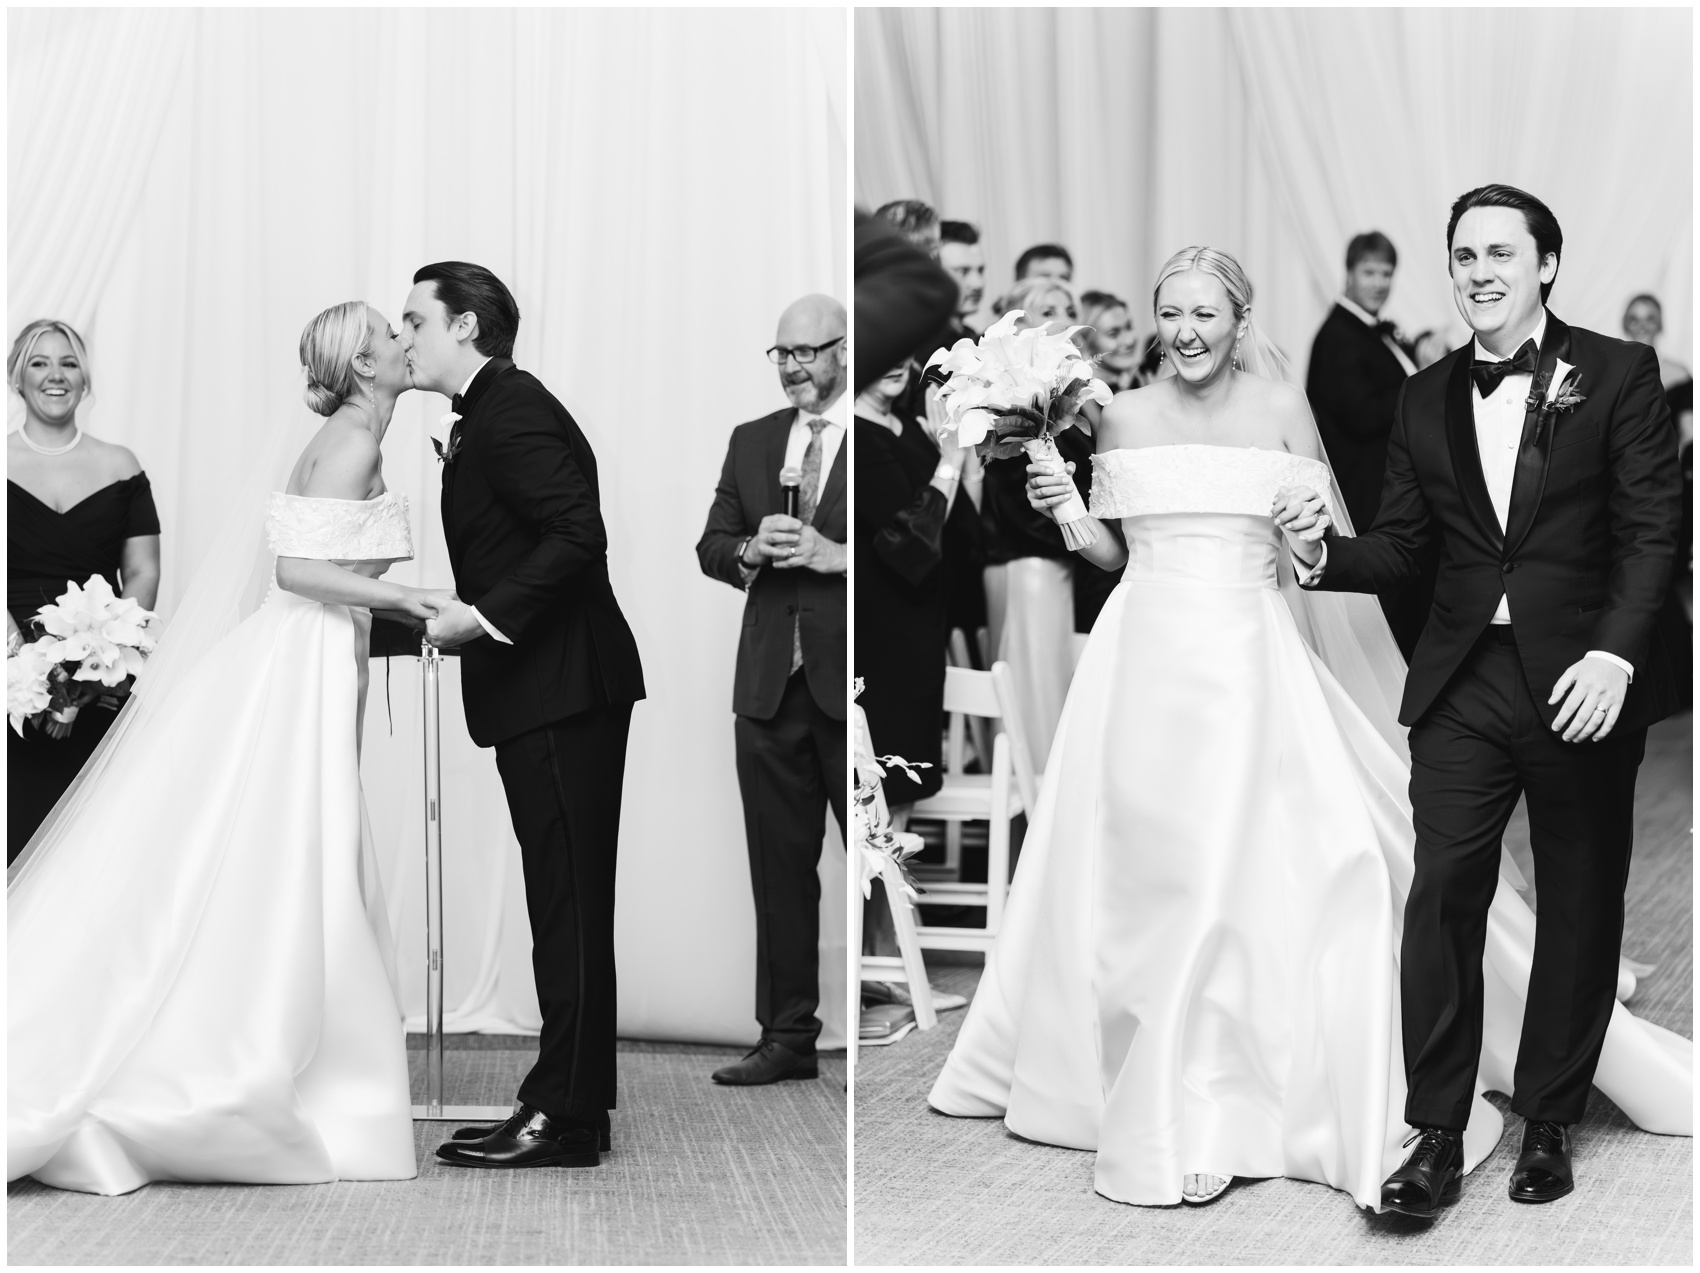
<point x="777" y="531"/>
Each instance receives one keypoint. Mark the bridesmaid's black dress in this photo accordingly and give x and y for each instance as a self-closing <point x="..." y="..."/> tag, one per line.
<point x="901" y="601"/>
<point x="46" y="549"/>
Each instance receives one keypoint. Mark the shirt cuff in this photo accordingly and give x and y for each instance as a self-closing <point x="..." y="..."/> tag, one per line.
<point x="485" y="624"/>
<point x="1307" y="576"/>
<point x="1628" y="668"/>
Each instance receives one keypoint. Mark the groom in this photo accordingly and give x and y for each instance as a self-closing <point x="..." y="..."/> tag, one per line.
<point x="1541" y="460"/>
<point x="549" y="674"/>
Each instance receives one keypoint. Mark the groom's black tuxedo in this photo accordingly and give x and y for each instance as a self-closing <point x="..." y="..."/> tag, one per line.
<point x="1584" y="561"/>
<point x="523" y="520"/>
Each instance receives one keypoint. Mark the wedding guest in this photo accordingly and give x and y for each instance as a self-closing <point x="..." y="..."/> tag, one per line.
<point x="77" y="507"/>
<point x="902" y="298"/>
<point x="1045" y="260"/>
<point x="1113" y="344"/>
<point x="906" y="490"/>
<point x="916" y="221"/>
<point x="1644" y="322"/>
<point x="1029" y="569"/>
<point x="965" y="261"/>
<point x="788" y="692"/>
<point x="1357" y="367"/>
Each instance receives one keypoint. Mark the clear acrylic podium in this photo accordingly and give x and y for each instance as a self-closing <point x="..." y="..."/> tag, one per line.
<point x="391" y="640"/>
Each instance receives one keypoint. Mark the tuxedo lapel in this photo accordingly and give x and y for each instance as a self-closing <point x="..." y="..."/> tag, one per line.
<point x="1529" y="482"/>
<point x="1465" y="450"/>
<point x="475" y="392"/>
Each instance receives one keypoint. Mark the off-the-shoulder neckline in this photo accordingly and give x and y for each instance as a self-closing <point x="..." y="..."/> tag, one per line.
<point x="331" y="499"/>
<point x="1204" y="446"/>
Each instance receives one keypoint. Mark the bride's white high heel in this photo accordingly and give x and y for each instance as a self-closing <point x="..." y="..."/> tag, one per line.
<point x="1199" y="1188"/>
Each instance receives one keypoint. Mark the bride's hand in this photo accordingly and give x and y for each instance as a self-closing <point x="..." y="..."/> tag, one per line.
<point x="426" y="603"/>
<point x="1045" y="489"/>
<point x="1300" y="513"/>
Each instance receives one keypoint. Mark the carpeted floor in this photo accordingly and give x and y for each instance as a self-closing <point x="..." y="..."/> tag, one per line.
<point x="699" y="1174"/>
<point x="937" y="1190"/>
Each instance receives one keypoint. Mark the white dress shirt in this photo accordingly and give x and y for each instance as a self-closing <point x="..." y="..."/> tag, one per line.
<point x="1370" y="320"/>
<point x="482" y="621"/>
<point x="797" y="442"/>
<point x="1499" y="431"/>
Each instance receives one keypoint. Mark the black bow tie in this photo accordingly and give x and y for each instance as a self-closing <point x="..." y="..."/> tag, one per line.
<point x="1385" y="328"/>
<point x="457" y="404"/>
<point x="1490" y="375"/>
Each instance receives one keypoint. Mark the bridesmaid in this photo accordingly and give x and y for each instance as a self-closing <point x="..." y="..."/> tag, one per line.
<point x="76" y="507"/>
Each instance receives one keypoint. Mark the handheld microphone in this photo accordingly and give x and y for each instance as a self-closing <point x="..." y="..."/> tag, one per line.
<point x="790" y="479"/>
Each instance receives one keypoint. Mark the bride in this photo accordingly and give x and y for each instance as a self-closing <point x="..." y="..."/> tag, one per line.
<point x="200" y="981"/>
<point x="1196" y="974"/>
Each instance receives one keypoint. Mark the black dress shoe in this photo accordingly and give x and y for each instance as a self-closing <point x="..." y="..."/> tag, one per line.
<point x="529" y="1139"/>
<point x="1543" y="1168"/>
<point x="769" y="1063"/>
<point x="605" y="1141"/>
<point x="1432" y="1175"/>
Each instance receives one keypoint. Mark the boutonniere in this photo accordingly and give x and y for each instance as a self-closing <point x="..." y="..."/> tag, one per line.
<point x="1554" y="394"/>
<point x="447" y="453"/>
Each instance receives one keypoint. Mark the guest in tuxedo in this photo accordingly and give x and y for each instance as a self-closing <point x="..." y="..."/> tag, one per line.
<point x="78" y="507"/>
<point x="965" y="261"/>
<point x="549" y="673"/>
<point x="1357" y="368"/>
<point x="1537" y="675"/>
<point x="905" y="491"/>
<point x="790" y="690"/>
<point x="1644" y="322"/>
<point x="915" y="221"/>
<point x="1045" y="260"/>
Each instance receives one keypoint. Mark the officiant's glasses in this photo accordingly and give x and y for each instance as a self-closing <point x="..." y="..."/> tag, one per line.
<point x="804" y="354"/>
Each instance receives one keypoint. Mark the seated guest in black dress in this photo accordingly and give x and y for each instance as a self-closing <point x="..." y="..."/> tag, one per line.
<point x="1644" y="321"/>
<point x="905" y="489"/>
<point x="76" y="507"/>
<point x="1357" y="367"/>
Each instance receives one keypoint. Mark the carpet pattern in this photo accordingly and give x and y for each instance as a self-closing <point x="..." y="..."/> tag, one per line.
<point x="933" y="1190"/>
<point x="699" y="1174"/>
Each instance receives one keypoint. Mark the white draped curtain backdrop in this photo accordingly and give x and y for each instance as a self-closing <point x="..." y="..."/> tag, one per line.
<point x="189" y="187"/>
<point x="1277" y="134"/>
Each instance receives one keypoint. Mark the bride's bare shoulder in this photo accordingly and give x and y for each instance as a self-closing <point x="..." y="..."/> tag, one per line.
<point x="1130" y="415"/>
<point x="342" y="461"/>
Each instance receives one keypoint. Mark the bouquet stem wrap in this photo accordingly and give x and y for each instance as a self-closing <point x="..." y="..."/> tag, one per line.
<point x="1070" y="515"/>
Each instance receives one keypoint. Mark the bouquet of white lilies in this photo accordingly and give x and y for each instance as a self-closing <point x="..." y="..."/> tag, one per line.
<point x="1013" y="391"/>
<point x="93" y="646"/>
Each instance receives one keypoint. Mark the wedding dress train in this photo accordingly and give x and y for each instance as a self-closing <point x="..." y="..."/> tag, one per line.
<point x="1197" y="969"/>
<point x="199" y="981"/>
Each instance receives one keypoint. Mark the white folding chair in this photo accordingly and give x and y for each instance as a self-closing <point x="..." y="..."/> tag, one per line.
<point x="994" y="798"/>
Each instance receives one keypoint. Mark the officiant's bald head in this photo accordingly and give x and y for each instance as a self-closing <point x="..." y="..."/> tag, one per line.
<point x="809" y="349"/>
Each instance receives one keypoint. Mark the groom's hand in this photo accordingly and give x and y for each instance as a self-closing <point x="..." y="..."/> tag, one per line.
<point x="1302" y="517"/>
<point x="455" y="625"/>
<point x="1593" y="691"/>
<point x="815" y="552"/>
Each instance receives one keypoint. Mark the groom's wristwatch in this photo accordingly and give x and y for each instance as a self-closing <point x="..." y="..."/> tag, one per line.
<point x="744" y="544"/>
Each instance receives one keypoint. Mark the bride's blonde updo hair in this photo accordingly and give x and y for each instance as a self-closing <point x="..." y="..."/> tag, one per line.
<point x="1257" y="354"/>
<point x="328" y="347"/>
<point x="1218" y="265"/>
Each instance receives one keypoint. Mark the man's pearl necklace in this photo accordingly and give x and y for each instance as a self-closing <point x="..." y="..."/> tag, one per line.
<point x="39" y="449"/>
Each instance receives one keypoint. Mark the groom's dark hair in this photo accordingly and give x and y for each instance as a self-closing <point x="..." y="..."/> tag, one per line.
<point x="471" y="289"/>
<point x="1543" y="226"/>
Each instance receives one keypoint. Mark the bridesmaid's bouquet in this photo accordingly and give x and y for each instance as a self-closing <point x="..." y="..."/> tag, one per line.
<point x="92" y="646"/>
<point x="1014" y="391"/>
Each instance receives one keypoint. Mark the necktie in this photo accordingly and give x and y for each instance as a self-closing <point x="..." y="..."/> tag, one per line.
<point x="1490" y="375"/>
<point x="806" y="514"/>
<point x="811" y="473"/>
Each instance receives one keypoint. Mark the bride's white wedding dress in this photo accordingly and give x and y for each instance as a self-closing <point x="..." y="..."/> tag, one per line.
<point x="196" y="990"/>
<point x="1197" y="970"/>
